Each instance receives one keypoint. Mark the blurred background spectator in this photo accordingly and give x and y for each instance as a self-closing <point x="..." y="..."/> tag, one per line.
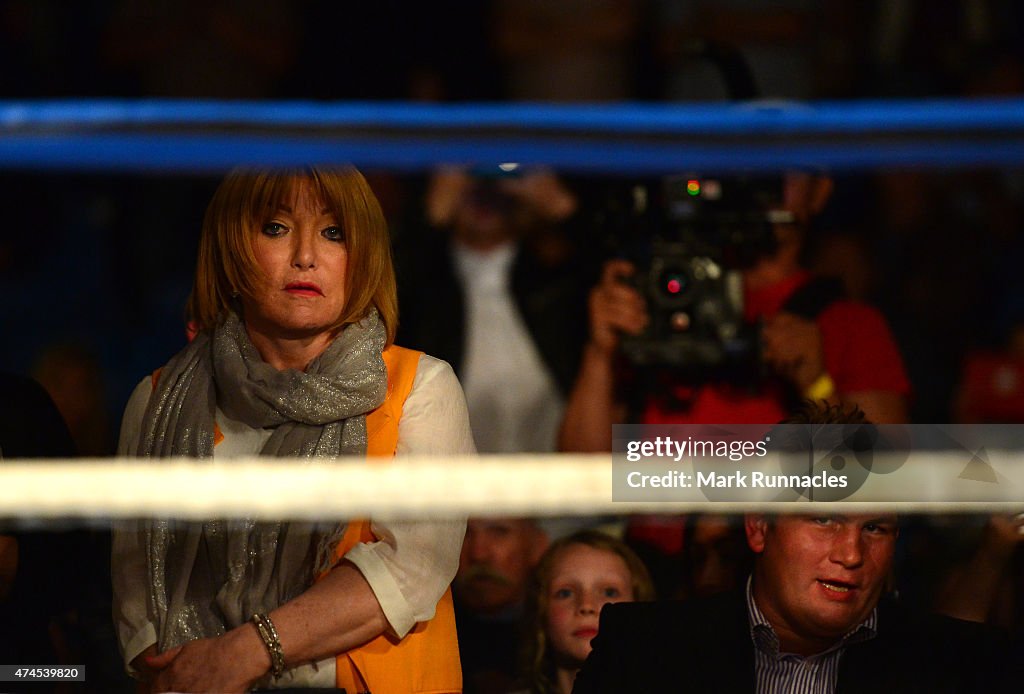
<point x="71" y="376"/>
<point x="491" y="284"/>
<point x="490" y="588"/>
<point x="571" y="50"/>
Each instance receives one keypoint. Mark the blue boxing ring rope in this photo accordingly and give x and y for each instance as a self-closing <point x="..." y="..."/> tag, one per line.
<point x="186" y="137"/>
<point x="204" y="136"/>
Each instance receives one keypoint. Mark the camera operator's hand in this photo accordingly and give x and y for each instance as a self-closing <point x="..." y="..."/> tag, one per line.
<point x="793" y="347"/>
<point x="615" y="307"/>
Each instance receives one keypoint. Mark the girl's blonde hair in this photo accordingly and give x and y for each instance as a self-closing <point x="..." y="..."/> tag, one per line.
<point x="538" y="661"/>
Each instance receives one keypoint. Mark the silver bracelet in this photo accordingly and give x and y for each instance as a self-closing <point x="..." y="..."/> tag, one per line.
<point x="270" y="639"/>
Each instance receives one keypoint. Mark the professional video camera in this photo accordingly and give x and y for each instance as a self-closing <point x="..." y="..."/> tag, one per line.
<point x="690" y="238"/>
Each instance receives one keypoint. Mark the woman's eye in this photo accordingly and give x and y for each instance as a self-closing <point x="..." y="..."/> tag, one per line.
<point x="273" y="229"/>
<point x="333" y="234"/>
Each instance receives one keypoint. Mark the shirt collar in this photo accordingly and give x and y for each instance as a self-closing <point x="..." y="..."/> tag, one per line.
<point x="765" y="639"/>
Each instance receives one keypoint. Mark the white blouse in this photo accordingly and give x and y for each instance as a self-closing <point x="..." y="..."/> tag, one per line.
<point x="408" y="568"/>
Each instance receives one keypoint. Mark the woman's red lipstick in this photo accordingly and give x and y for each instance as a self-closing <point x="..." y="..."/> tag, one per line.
<point x="303" y="289"/>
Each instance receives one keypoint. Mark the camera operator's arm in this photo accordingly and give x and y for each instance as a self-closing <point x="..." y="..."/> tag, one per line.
<point x="879" y="406"/>
<point x="615" y="308"/>
<point x="972" y="588"/>
<point x="794" y="347"/>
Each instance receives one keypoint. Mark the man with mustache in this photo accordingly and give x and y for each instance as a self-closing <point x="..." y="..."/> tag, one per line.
<point x="810" y="619"/>
<point x="497" y="557"/>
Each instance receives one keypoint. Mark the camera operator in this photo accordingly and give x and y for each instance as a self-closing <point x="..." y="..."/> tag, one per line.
<point x="841" y="352"/>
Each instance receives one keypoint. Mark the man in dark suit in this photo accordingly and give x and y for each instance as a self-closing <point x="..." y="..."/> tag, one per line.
<point x="811" y="619"/>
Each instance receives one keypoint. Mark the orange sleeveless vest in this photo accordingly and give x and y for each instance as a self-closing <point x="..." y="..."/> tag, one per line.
<point x="426" y="661"/>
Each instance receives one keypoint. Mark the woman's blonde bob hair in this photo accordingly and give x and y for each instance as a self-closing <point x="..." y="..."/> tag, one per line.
<point x="245" y="200"/>
<point x="538" y="661"/>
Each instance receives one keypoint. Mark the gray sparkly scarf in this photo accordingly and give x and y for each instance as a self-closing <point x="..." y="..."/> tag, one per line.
<point x="206" y="578"/>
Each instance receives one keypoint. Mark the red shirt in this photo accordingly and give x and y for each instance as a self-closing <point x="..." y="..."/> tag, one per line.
<point x="859" y="350"/>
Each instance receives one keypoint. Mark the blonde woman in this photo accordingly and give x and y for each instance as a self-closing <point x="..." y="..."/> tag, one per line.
<point x="295" y="310"/>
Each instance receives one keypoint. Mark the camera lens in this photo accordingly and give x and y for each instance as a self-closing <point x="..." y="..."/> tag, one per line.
<point x="673" y="283"/>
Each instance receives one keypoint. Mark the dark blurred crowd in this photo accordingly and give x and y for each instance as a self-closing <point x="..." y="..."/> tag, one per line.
<point x="501" y="49"/>
<point x="931" y="249"/>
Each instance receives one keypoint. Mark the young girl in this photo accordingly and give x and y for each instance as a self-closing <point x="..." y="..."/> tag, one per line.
<point x="574" y="579"/>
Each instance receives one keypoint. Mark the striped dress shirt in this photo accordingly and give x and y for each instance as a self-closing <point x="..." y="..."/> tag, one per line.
<point x="789" y="673"/>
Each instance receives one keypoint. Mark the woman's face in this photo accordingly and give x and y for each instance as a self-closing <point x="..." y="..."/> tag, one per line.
<point x="300" y="250"/>
<point x="583" y="580"/>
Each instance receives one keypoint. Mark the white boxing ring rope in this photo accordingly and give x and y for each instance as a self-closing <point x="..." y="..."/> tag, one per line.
<point x="627" y="139"/>
<point x="429" y="487"/>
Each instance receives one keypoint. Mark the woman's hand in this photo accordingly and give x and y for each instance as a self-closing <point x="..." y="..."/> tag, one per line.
<point x="334" y="615"/>
<point x="226" y="664"/>
<point x="141" y="665"/>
